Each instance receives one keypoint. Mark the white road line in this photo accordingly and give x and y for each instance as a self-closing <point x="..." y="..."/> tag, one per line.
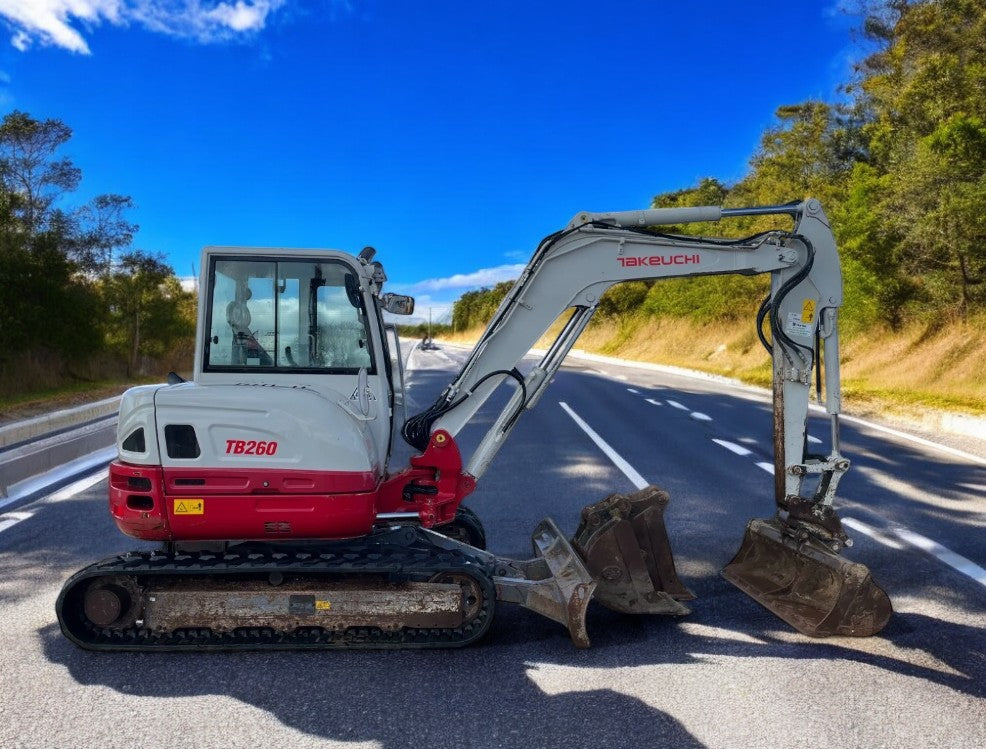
<point x="628" y="470"/>
<point x="677" y="405"/>
<point x="77" y="487"/>
<point x="949" y="557"/>
<point x="10" y="519"/>
<point x="13" y="518"/>
<point x="867" y="530"/>
<point x="733" y="447"/>
<point x="653" y="402"/>
<point x="814" y="440"/>
<point x="908" y="437"/>
<point x="768" y="467"/>
<point x="631" y="390"/>
<point x="699" y="416"/>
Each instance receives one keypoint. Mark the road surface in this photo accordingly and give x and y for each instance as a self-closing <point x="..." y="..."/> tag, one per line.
<point x="728" y="675"/>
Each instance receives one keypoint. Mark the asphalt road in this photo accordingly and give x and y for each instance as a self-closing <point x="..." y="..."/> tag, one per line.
<point x="728" y="675"/>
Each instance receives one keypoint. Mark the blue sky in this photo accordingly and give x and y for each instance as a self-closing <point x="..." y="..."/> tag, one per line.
<point x="451" y="136"/>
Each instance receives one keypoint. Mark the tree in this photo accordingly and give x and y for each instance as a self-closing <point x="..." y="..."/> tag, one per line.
<point x="808" y="153"/>
<point x="29" y="171"/>
<point x="147" y="307"/>
<point x="923" y="93"/>
<point x="97" y="229"/>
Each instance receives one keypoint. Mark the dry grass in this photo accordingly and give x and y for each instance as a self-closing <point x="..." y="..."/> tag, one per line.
<point x="904" y="372"/>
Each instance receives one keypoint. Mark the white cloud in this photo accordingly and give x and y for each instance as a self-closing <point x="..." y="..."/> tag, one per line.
<point x="240" y="17"/>
<point x="55" y="22"/>
<point x="466" y="281"/>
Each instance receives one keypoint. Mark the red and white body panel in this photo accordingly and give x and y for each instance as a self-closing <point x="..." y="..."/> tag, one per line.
<point x="262" y="452"/>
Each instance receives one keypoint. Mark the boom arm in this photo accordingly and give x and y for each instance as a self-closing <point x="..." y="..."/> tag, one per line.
<point x="574" y="267"/>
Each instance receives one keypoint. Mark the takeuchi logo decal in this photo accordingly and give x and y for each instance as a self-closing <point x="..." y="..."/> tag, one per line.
<point x="632" y="262"/>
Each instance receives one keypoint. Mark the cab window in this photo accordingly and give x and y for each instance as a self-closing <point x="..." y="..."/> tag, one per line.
<point x="295" y="316"/>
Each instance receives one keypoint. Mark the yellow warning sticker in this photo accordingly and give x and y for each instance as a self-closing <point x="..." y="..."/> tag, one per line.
<point x="323" y="605"/>
<point x="808" y="311"/>
<point x="189" y="507"/>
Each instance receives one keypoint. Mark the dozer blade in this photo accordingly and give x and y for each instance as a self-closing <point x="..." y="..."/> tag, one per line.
<point x="624" y="544"/>
<point x="804" y="583"/>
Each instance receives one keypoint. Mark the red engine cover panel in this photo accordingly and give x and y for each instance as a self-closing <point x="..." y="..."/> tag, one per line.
<point x="219" y="504"/>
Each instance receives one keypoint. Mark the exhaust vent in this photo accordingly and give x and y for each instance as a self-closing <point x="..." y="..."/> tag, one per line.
<point x="277" y="527"/>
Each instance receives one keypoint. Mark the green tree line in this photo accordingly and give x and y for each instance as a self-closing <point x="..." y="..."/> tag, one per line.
<point x="77" y="300"/>
<point x="899" y="162"/>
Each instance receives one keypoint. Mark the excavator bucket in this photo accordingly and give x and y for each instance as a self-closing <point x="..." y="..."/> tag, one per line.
<point x="624" y="544"/>
<point x="620" y="556"/>
<point x="807" y="585"/>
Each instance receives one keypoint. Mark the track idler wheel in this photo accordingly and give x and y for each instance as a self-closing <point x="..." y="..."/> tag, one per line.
<point x="809" y="586"/>
<point x="112" y="602"/>
<point x="624" y="543"/>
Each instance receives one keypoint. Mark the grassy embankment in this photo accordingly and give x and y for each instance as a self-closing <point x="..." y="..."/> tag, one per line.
<point x="904" y="373"/>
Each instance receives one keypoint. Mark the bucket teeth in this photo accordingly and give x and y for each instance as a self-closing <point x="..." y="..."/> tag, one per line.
<point x="807" y="585"/>
<point x="624" y="543"/>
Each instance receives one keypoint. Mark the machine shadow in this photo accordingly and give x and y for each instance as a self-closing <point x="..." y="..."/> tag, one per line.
<point x="462" y="698"/>
<point x="484" y="696"/>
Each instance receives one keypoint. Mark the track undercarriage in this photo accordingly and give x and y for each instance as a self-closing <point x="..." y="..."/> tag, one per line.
<point x="394" y="588"/>
<point x="408" y="587"/>
<point x="400" y="587"/>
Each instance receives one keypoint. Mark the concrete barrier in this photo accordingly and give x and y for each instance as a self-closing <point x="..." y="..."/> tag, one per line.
<point x="21" y="431"/>
<point x="45" y="444"/>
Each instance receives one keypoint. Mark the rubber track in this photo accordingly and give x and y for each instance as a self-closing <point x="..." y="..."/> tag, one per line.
<point x="403" y="554"/>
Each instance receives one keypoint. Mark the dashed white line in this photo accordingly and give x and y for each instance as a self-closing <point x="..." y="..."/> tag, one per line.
<point x="675" y="404"/>
<point x="628" y="470"/>
<point x="699" y="416"/>
<point x="653" y="402"/>
<point x="733" y="447"/>
<point x="814" y="440"/>
<point x="768" y="467"/>
<point x="631" y="390"/>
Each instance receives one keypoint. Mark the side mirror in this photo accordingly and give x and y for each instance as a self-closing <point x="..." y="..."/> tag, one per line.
<point x="398" y="304"/>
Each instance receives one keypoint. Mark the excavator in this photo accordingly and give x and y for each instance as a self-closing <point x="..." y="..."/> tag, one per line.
<point x="278" y="522"/>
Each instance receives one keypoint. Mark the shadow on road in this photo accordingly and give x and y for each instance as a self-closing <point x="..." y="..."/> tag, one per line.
<point x="484" y="696"/>
<point x="478" y="697"/>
